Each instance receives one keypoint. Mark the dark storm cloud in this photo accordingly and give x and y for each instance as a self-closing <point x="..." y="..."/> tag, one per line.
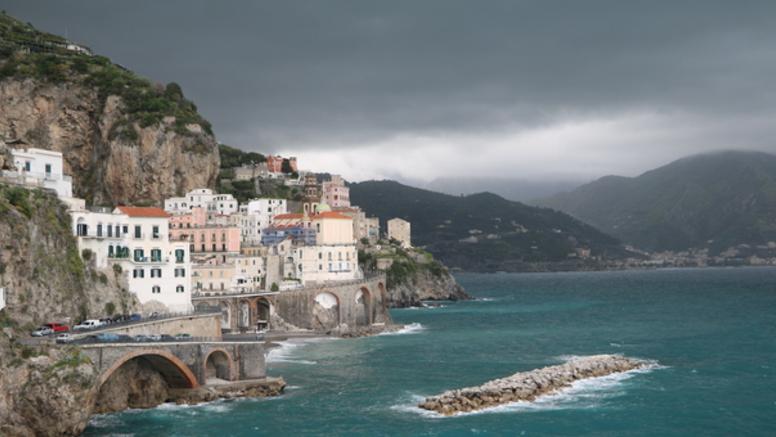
<point x="573" y="79"/>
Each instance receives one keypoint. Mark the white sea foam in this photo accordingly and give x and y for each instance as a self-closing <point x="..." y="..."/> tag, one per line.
<point x="287" y="349"/>
<point x="582" y="394"/>
<point x="412" y="328"/>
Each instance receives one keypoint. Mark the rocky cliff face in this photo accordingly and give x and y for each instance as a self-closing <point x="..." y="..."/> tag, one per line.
<point x="424" y="285"/>
<point x="46" y="391"/>
<point x="111" y="161"/>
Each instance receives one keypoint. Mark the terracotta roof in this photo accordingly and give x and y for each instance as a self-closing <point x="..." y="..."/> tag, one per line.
<point x="142" y="211"/>
<point x="331" y="215"/>
<point x="288" y="216"/>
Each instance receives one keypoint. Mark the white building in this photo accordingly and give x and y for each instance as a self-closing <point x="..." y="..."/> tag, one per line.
<point x="255" y="216"/>
<point x="2" y="298"/>
<point x="400" y="231"/>
<point x="41" y="168"/>
<point x="204" y="198"/>
<point x="137" y="240"/>
<point x="334" y="256"/>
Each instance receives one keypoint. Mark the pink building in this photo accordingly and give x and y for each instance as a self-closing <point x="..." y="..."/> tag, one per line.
<point x="209" y="239"/>
<point x="335" y="193"/>
<point x="197" y="218"/>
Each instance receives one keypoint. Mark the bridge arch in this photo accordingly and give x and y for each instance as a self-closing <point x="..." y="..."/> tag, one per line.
<point x="364" y="306"/>
<point x="174" y="371"/>
<point x="326" y="310"/>
<point x="218" y="363"/>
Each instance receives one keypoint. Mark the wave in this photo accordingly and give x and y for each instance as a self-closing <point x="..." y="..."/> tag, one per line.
<point x="583" y="394"/>
<point x="412" y="328"/>
<point x="287" y="349"/>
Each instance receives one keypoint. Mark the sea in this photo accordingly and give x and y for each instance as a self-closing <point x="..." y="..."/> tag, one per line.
<point x="711" y="333"/>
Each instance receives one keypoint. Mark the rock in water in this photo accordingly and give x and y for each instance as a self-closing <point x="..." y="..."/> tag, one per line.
<point x="527" y="386"/>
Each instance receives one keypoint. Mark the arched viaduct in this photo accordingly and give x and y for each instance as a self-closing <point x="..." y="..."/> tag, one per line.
<point x="339" y="306"/>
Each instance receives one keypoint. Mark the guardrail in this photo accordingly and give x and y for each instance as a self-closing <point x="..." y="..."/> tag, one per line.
<point x="149" y="339"/>
<point x="158" y="317"/>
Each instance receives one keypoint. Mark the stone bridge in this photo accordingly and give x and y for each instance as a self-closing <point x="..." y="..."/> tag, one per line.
<point x="182" y="364"/>
<point x="337" y="306"/>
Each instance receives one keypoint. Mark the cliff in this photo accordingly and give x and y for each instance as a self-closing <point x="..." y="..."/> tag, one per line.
<point x="46" y="391"/>
<point x="125" y="140"/>
<point x="413" y="275"/>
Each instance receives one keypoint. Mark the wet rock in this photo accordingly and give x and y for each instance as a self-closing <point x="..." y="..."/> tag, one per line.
<point x="527" y="386"/>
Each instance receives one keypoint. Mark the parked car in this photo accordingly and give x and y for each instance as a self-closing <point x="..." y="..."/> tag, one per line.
<point x="119" y="318"/>
<point x="135" y="317"/>
<point x="155" y="337"/>
<point x="142" y="338"/>
<point x="106" y="336"/>
<point x="154" y="315"/>
<point x="167" y="337"/>
<point x="64" y="338"/>
<point x="58" y="327"/>
<point x="183" y="336"/>
<point x="42" y="331"/>
<point x="88" y="324"/>
<point x="106" y="321"/>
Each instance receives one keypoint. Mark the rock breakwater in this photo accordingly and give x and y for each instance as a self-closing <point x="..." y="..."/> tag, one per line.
<point x="527" y="386"/>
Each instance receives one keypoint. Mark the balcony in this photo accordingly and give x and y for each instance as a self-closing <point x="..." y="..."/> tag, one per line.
<point x="148" y="260"/>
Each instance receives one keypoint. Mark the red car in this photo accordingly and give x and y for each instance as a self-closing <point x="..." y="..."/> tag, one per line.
<point x="58" y="327"/>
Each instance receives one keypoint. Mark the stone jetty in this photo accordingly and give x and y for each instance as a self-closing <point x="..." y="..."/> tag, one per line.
<point x="527" y="386"/>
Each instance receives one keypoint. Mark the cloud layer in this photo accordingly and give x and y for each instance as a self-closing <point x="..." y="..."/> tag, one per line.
<point x="426" y="89"/>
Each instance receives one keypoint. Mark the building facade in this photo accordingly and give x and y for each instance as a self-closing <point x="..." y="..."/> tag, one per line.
<point x="335" y="193"/>
<point x="137" y="239"/>
<point x="41" y="168"/>
<point x="399" y="230"/>
<point x="204" y="198"/>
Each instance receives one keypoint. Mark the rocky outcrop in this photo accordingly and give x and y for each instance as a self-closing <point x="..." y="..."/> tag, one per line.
<point x="527" y="386"/>
<point x="423" y="286"/>
<point x="46" y="391"/>
<point x="112" y="161"/>
<point x="230" y="390"/>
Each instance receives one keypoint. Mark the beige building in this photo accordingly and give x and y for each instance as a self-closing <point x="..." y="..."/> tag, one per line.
<point x="399" y="230"/>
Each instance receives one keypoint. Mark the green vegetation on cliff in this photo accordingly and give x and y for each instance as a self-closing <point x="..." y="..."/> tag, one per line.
<point x="244" y="190"/>
<point x="714" y="200"/>
<point x="26" y="52"/>
<point x="484" y="232"/>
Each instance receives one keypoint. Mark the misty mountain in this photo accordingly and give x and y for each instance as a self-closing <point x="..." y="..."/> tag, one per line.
<point x="485" y="232"/>
<point x="714" y="200"/>
<point x="521" y="190"/>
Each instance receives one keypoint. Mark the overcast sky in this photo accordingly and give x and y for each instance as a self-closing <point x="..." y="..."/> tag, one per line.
<point x="418" y="89"/>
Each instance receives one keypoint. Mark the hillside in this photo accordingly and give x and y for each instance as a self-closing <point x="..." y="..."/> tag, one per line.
<point x="715" y="200"/>
<point x="46" y="281"/>
<point x="484" y="232"/>
<point x="124" y="138"/>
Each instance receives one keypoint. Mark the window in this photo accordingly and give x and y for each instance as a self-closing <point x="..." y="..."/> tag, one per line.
<point x="27" y="166"/>
<point x="155" y="232"/>
<point x="223" y="247"/>
<point x="214" y="247"/>
<point x="99" y="230"/>
<point x="179" y="289"/>
<point x="138" y="273"/>
<point x="82" y="230"/>
<point x="156" y="273"/>
<point x="125" y="229"/>
<point x="320" y="266"/>
<point x="110" y="231"/>
<point x="156" y="289"/>
<point x="110" y="251"/>
<point x="138" y="234"/>
<point x="139" y="255"/>
<point x="320" y="255"/>
<point x="180" y="273"/>
<point x="179" y="255"/>
<point x="48" y="169"/>
<point x="330" y="268"/>
<point x="156" y="255"/>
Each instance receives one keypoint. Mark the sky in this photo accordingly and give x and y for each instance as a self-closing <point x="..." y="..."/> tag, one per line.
<point x="426" y="89"/>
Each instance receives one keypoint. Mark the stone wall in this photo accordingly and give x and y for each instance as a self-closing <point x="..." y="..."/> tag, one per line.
<point x="204" y="325"/>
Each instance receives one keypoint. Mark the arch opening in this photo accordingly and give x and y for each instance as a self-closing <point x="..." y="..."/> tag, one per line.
<point x="142" y="380"/>
<point x="326" y="311"/>
<point x="263" y="310"/>
<point x="364" y="315"/>
<point x="226" y="313"/>
<point x="218" y="367"/>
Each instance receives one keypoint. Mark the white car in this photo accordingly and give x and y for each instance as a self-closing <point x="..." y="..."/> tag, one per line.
<point x="42" y="331"/>
<point x="64" y="338"/>
<point x="88" y="324"/>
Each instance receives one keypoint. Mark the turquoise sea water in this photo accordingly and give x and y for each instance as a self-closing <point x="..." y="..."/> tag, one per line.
<point x="713" y="331"/>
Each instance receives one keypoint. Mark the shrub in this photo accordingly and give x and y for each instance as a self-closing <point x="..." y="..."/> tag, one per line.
<point x="274" y="287"/>
<point x="110" y="308"/>
<point x="86" y="254"/>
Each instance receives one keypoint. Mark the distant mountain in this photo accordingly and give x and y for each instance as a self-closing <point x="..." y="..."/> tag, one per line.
<point x="521" y="190"/>
<point x="714" y="200"/>
<point x="485" y="232"/>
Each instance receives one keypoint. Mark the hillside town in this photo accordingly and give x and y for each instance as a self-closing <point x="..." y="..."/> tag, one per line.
<point x="206" y="244"/>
